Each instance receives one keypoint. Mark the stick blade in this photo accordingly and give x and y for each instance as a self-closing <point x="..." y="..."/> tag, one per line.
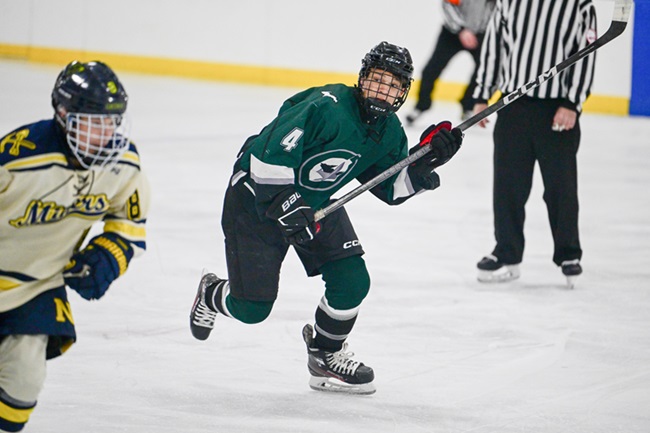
<point x="622" y="10"/>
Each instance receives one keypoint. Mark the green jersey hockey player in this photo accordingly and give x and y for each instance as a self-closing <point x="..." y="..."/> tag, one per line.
<point x="322" y="139"/>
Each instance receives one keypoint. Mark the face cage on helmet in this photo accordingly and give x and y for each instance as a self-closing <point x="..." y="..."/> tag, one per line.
<point x="397" y="85"/>
<point x="97" y="140"/>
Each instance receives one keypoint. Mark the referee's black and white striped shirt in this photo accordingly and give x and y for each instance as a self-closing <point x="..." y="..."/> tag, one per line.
<point x="528" y="37"/>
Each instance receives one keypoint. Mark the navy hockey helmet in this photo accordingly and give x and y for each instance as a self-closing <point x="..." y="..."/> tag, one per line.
<point x="91" y="88"/>
<point x="394" y="59"/>
<point x="89" y="103"/>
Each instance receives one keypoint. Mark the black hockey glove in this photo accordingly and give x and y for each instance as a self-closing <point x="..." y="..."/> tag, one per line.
<point x="294" y="217"/>
<point x="423" y="175"/>
<point x="92" y="270"/>
<point x="444" y="141"/>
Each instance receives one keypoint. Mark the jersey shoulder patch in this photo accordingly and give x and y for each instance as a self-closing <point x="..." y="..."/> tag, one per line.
<point x="34" y="144"/>
<point x="328" y="94"/>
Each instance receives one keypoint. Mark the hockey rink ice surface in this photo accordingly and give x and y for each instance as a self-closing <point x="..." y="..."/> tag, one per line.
<point x="450" y="355"/>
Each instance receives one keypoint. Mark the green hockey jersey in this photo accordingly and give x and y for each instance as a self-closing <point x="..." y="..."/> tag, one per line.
<point x="319" y="142"/>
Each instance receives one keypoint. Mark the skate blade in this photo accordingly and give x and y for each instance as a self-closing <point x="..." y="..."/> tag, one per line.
<point x="503" y="275"/>
<point x="571" y="281"/>
<point x="330" y="384"/>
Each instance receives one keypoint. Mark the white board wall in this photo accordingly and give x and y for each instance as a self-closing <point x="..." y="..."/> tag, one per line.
<point x="295" y="34"/>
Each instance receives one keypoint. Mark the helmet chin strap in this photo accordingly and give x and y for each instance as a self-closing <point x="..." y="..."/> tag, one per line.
<point x="59" y="116"/>
<point x="368" y="111"/>
<point x="377" y="108"/>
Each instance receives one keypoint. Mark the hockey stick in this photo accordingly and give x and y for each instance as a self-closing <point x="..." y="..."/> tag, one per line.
<point x="621" y="15"/>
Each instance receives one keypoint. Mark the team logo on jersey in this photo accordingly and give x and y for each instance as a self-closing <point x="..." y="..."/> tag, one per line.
<point x="46" y="212"/>
<point x="326" y="170"/>
<point x="16" y="140"/>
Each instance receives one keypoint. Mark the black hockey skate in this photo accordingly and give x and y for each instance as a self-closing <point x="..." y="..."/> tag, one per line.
<point x="336" y="371"/>
<point x="492" y="270"/>
<point x="571" y="270"/>
<point x="201" y="316"/>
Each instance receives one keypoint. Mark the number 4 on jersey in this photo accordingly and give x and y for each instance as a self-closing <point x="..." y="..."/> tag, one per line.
<point x="290" y="141"/>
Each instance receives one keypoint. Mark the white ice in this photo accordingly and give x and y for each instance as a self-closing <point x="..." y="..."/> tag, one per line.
<point x="450" y="354"/>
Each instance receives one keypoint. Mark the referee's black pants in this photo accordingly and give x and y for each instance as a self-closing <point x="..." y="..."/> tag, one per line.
<point x="447" y="46"/>
<point x="523" y="135"/>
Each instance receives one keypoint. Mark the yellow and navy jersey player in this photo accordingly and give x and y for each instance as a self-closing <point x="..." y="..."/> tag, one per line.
<point x="58" y="178"/>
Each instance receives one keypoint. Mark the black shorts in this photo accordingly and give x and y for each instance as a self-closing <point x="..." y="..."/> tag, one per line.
<point x="255" y="247"/>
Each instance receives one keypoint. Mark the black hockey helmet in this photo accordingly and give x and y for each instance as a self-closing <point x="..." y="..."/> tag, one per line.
<point x="91" y="88"/>
<point x="394" y="59"/>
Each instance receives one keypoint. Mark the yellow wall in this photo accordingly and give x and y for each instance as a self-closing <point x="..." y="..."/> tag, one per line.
<point x="250" y="74"/>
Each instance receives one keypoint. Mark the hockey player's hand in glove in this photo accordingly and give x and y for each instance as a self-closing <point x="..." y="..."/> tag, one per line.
<point x="444" y="141"/>
<point x="94" y="268"/>
<point x="423" y="175"/>
<point x="294" y="217"/>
